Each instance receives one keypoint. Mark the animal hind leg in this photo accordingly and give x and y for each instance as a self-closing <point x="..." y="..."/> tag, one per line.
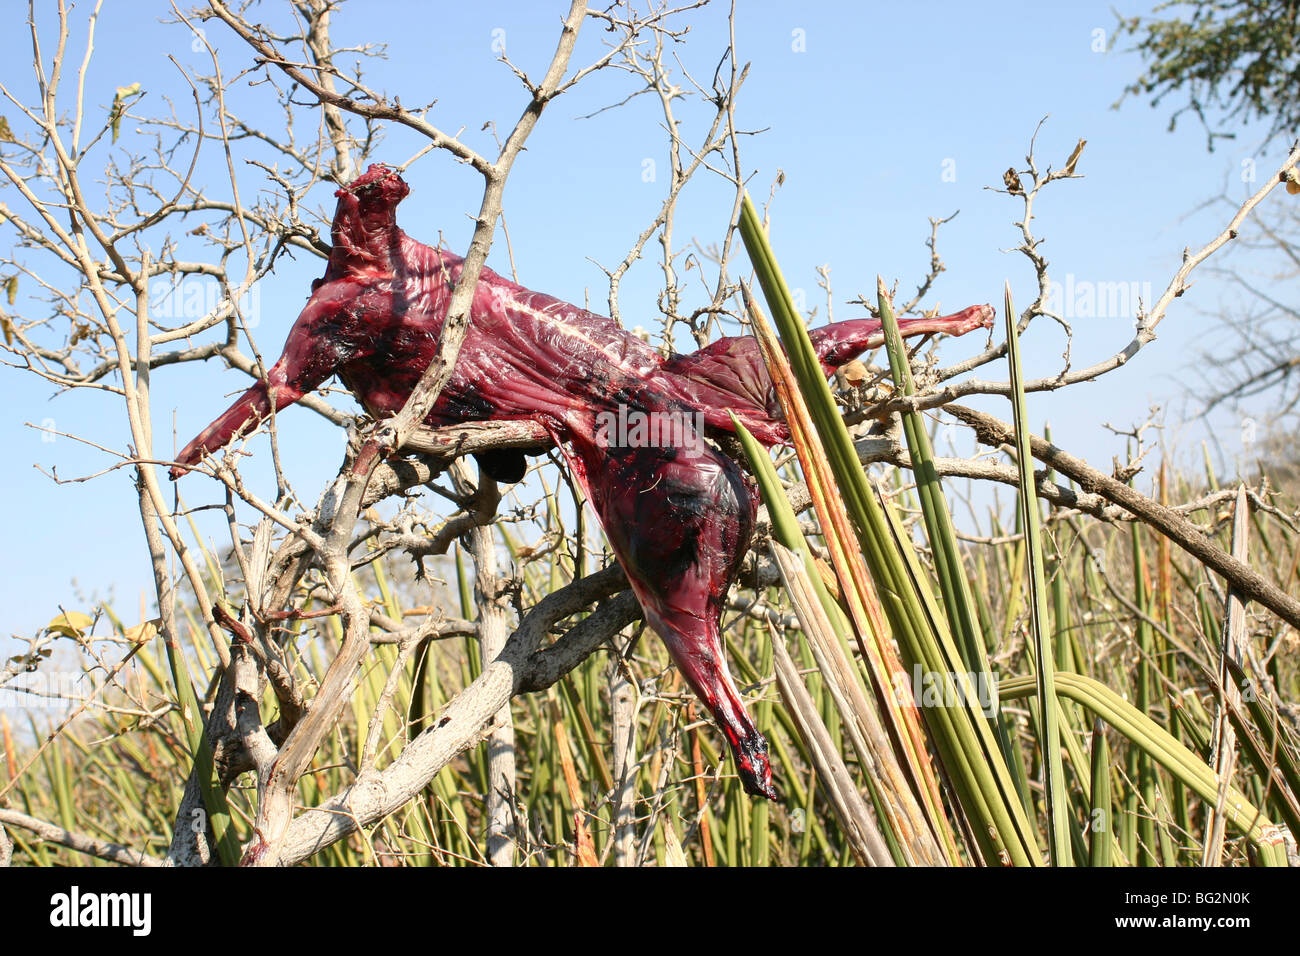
<point x="729" y="374"/>
<point x="679" y="520"/>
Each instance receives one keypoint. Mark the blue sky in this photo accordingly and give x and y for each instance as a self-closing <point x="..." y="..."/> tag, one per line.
<point x="879" y="115"/>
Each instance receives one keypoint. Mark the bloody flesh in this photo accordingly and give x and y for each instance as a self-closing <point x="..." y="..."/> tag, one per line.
<point x="677" y="512"/>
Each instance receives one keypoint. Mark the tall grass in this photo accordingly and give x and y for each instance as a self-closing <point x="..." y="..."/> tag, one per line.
<point x="1098" y="748"/>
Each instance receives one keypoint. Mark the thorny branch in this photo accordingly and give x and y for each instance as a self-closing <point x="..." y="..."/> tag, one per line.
<point x="126" y="249"/>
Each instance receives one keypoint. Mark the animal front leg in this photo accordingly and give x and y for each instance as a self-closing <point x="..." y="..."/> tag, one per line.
<point x="245" y="414"/>
<point x="329" y="331"/>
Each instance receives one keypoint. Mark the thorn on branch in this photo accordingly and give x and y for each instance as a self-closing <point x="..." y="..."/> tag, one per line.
<point x="238" y="631"/>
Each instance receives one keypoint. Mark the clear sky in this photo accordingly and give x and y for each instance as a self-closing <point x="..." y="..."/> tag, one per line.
<point x="880" y="115"/>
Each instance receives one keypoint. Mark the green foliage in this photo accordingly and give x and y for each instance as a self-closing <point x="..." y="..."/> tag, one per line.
<point x="117" y="770"/>
<point x="1110" y="688"/>
<point x="1241" y="57"/>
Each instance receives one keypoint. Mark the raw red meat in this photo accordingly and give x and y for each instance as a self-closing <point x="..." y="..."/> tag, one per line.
<point x="677" y="512"/>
